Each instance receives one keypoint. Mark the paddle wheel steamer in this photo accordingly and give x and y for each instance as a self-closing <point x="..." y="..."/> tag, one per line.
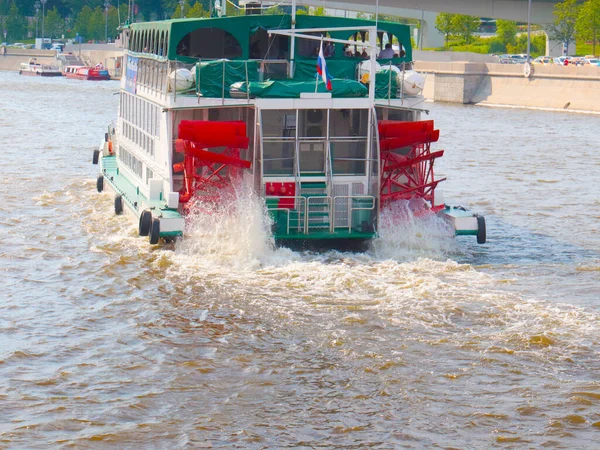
<point x="206" y="104"/>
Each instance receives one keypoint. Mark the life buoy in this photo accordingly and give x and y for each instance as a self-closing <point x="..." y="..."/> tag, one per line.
<point x="110" y="148"/>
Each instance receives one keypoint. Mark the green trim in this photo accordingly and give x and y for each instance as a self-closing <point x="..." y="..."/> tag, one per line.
<point x="318" y="235"/>
<point x="466" y="232"/>
<point x="242" y="28"/>
<point x="171" y="233"/>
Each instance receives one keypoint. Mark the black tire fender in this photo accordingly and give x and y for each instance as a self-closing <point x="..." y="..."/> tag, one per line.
<point x="481" y="231"/>
<point x="100" y="183"/>
<point x="154" y="231"/>
<point x="95" y="156"/>
<point x="145" y="223"/>
<point x="118" y="204"/>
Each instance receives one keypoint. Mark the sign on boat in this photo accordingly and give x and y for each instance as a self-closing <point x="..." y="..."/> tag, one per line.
<point x="207" y="104"/>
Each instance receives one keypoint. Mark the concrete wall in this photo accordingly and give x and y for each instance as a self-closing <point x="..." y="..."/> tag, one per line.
<point x="15" y="56"/>
<point x="110" y="57"/>
<point x="559" y="87"/>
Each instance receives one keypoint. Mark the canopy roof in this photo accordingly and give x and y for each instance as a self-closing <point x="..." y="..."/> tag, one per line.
<point x="164" y="38"/>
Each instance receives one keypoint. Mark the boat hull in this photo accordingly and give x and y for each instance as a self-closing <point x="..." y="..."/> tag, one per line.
<point x="88" y="77"/>
<point x="40" y="74"/>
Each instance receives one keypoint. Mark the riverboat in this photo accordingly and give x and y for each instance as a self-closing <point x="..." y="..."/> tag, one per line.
<point x="34" y="68"/>
<point x="285" y="104"/>
<point x="95" y="73"/>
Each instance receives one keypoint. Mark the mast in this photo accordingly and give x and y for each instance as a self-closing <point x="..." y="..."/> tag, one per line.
<point x="293" y="39"/>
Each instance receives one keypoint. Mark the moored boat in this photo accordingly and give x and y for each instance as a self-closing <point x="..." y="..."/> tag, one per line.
<point x="34" y="68"/>
<point x="92" y="73"/>
<point x="327" y="155"/>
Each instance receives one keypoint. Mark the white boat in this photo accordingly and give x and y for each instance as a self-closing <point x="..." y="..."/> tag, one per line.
<point x="34" y="68"/>
<point x="206" y="104"/>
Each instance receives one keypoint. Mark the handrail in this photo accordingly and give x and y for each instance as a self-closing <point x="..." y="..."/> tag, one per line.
<point x="308" y="211"/>
<point x="302" y="207"/>
<point x="351" y="208"/>
<point x="329" y="181"/>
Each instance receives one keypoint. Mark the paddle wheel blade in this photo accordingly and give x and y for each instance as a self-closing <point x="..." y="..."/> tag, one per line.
<point x="212" y="163"/>
<point x="407" y="160"/>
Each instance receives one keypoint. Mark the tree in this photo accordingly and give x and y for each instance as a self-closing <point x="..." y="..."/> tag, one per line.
<point x="506" y="30"/>
<point x="588" y="22"/>
<point x="198" y="11"/>
<point x="465" y="26"/>
<point x="318" y="11"/>
<point x="443" y="23"/>
<point x="565" y="18"/>
<point x="15" y="24"/>
<point x="55" y="25"/>
<point x="96" y="25"/>
<point x="82" y="22"/>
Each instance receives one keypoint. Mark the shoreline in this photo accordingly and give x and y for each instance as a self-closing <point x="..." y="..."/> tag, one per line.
<point x="548" y="88"/>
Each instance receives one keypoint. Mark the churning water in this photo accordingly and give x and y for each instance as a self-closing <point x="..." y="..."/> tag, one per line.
<point x="222" y="340"/>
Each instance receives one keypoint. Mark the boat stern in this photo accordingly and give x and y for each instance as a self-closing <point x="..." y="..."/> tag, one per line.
<point x="465" y="223"/>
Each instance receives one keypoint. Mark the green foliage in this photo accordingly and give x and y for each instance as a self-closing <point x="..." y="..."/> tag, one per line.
<point x="473" y="48"/>
<point x="273" y="10"/>
<point x="81" y="23"/>
<point x="588" y="22"/>
<point x="14" y="24"/>
<point x="198" y="11"/>
<point x="443" y="23"/>
<point x="506" y="30"/>
<point x="318" y="11"/>
<point x="565" y="18"/>
<point x="538" y="45"/>
<point x="465" y="26"/>
<point x="496" y="46"/>
<point x="54" y="24"/>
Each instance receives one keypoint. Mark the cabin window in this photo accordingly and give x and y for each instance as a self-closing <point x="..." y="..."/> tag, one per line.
<point x="278" y="157"/>
<point x="279" y="123"/>
<point x="263" y="46"/>
<point x="401" y="115"/>
<point x="348" y="156"/>
<point x="312" y="123"/>
<point x="308" y="48"/>
<point x="348" y="123"/>
<point x="209" y="43"/>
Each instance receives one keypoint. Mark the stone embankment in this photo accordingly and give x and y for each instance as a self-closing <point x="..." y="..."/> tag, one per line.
<point x="575" y="88"/>
<point x="91" y="54"/>
<point x="15" y="56"/>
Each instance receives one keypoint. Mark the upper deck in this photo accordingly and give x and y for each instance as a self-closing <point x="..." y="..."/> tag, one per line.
<point x="236" y="60"/>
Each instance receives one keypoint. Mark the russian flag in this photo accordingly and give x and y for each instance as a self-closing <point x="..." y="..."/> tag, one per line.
<point x="322" y="68"/>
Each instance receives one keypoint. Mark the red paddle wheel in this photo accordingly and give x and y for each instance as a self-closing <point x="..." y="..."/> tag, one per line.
<point x="210" y="174"/>
<point x="407" y="161"/>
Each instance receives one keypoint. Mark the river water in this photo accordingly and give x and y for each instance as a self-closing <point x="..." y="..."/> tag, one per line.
<point x="221" y="341"/>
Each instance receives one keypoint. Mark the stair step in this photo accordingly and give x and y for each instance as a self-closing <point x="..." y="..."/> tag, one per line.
<point x="313" y="184"/>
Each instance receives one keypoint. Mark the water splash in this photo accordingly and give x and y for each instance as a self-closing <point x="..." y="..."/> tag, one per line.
<point x="234" y="230"/>
<point x="405" y="233"/>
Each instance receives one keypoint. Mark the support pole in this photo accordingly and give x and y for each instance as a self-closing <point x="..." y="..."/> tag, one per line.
<point x="528" y="30"/>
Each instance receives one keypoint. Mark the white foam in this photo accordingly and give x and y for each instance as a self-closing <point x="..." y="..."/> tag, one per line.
<point x="403" y="235"/>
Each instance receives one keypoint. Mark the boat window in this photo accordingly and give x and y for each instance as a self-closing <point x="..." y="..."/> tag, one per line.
<point x="349" y="157"/>
<point x="209" y="43"/>
<point x="223" y="114"/>
<point x="263" y="46"/>
<point x="309" y="48"/>
<point x="278" y="158"/>
<point x="394" y="114"/>
<point x="312" y="123"/>
<point x="312" y="157"/>
<point x="279" y="123"/>
<point x="348" y="122"/>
